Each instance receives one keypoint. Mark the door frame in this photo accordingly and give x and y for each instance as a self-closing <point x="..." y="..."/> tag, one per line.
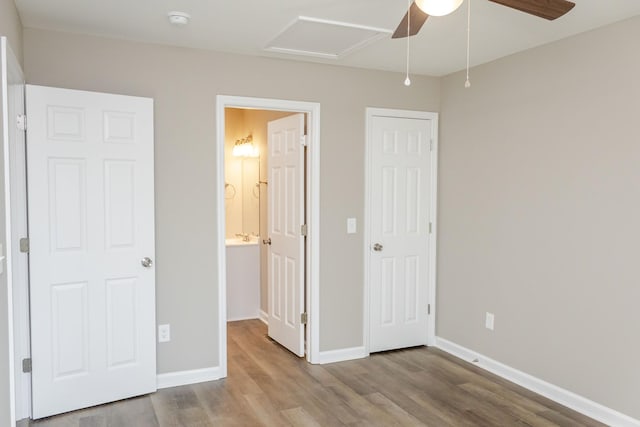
<point x="17" y="306"/>
<point x="312" y="244"/>
<point x="433" y="158"/>
<point x="6" y="257"/>
<point x="20" y="262"/>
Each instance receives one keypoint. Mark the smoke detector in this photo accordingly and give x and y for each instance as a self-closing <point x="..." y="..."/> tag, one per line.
<point x="179" y="18"/>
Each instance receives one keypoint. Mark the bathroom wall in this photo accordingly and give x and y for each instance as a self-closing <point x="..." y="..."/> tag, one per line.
<point x="234" y="128"/>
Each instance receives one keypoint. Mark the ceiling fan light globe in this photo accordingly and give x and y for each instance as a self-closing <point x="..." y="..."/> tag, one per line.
<point x="438" y="7"/>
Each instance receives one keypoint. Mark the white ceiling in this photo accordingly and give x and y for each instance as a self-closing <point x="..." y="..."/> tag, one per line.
<point x="246" y="26"/>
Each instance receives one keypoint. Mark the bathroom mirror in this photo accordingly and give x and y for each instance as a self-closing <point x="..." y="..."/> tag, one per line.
<point x="251" y="195"/>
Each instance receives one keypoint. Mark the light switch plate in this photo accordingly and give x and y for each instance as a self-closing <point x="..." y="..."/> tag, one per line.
<point x="489" y="321"/>
<point x="351" y="226"/>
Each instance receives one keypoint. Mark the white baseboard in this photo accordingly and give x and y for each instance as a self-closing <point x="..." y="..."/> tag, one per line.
<point x="175" y="379"/>
<point x="564" y="397"/>
<point x="247" y="317"/>
<point x="342" y="355"/>
<point x="264" y="316"/>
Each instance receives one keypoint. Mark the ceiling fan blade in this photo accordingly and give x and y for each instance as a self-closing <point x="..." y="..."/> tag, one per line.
<point x="418" y="18"/>
<point x="547" y="9"/>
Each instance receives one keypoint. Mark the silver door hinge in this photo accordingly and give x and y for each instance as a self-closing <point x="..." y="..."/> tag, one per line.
<point x="303" y="318"/>
<point x="303" y="140"/>
<point x="24" y="245"/>
<point x="26" y="365"/>
<point x="21" y="122"/>
<point x="428" y="309"/>
<point x="303" y="230"/>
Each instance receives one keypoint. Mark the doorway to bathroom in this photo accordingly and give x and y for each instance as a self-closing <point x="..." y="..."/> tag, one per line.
<point x="267" y="169"/>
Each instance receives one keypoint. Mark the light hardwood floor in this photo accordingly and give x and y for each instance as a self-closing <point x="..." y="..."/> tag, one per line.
<point x="268" y="386"/>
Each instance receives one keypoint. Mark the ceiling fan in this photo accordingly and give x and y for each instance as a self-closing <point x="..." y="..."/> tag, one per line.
<point x="420" y="10"/>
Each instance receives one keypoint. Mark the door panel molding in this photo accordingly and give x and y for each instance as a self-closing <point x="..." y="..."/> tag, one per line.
<point x="433" y="158"/>
<point x="312" y="174"/>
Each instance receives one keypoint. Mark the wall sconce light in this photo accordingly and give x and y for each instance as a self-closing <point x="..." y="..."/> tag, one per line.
<point x="244" y="148"/>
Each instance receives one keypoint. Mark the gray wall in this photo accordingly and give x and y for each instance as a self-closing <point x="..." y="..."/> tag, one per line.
<point x="10" y="27"/>
<point x="539" y="213"/>
<point x="184" y="84"/>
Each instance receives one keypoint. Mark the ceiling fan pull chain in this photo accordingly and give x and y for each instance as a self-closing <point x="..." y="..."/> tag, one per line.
<point x="467" y="83"/>
<point x="407" y="81"/>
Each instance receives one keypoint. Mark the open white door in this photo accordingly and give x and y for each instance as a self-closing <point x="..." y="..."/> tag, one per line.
<point x="286" y="216"/>
<point x="91" y="226"/>
<point x="400" y="198"/>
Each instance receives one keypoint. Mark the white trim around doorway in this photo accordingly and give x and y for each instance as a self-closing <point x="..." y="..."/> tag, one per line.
<point x="312" y="279"/>
<point x="407" y="114"/>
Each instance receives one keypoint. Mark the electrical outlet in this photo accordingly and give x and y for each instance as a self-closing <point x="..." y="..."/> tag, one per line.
<point x="489" y="320"/>
<point x="164" y="333"/>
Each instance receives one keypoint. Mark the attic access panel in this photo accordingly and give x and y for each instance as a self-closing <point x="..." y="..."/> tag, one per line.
<point x="324" y="39"/>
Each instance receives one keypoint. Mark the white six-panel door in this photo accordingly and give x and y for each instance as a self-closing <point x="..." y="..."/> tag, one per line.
<point x="286" y="215"/>
<point x="399" y="232"/>
<point x="91" y="222"/>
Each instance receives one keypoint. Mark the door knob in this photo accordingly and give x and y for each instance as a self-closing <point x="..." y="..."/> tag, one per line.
<point x="267" y="241"/>
<point x="146" y="262"/>
<point x="377" y="247"/>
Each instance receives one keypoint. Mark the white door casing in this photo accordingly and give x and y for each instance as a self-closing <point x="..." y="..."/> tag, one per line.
<point x="91" y="221"/>
<point x="398" y="244"/>
<point x="312" y="201"/>
<point x="19" y="260"/>
<point x="10" y="75"/>
<point x="286" y="215"/>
